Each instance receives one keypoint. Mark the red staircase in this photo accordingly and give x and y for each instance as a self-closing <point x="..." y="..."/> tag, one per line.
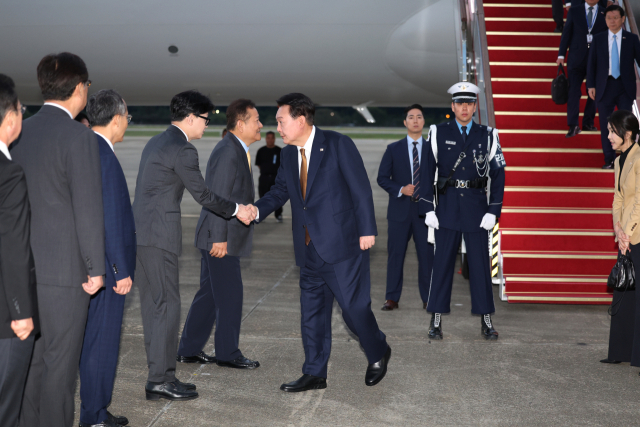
<point x="557" y="236"/>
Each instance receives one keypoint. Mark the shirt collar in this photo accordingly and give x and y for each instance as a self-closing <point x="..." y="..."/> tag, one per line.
<point x="5" y="150"/>
<point x="611" y="33"/>
<point x="411" y="140"/>
<point x="307" y="145"/>
<point x="468" y="126"/>
<point x="586" y="8"/>
<point x="60" y="107"/>
<point x="183" y="132"/>
<point x="245" y="146"/>
<point x="106" y="139"/>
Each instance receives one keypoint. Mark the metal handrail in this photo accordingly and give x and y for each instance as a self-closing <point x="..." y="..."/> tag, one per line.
<point x="631" y="23"/>
<point x="486" y="69"/>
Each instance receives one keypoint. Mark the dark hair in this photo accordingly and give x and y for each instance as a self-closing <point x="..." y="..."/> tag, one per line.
<point x="623" y="121"/>
<point x="613" y="8"/>
<point x="299" y="105"/>
<point x="413" y="107"/>
<point x="189" y="102"/>
<point x="8" y="96"/>
<point x="103" y="106"/>
<point x="270" y="133"/>
<point x="81" y="116"/>
<point x="59" y="74"/>
<point x="237" y="110"/>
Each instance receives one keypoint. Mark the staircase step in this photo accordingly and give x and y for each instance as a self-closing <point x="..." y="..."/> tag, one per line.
<point x="559" y="197"/>
<point x="558" y="283"/>
<point x="565" y="218"/>
<point x="550" y="263"/>
<point x="558" y="240"/>
<point x="544" y="104"/>
<point x="526" y="120"/>
<point x="515" y="10"/>
<point x="600" y="296"/>
<point x="521" y="176"/>
<point x="505" y="3"/>
<point x="519" y="85"/>
<point x="523" y="54"/>
<point x="557" y="157"/>
<point x="518" y="38"/>
<point x="548" y="138"/>
<point x="523" y="69"/>
<point x="520" y="24"/>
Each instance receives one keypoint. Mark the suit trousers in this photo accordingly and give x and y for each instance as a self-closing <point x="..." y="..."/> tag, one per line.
<point x="348" y="282"/>
<point x="49" y="391"/>
<point x="613" y="96"/>
<point x="157" y="280"/>
<point x="576" y="78"/>
<point x="447" y="244"/>
<point x="100" y="350"/>
<point x="399" y="234"/>
<point x="14" y="364"/>
<point x="265" y="182"/>
<point x="219" y="301"/>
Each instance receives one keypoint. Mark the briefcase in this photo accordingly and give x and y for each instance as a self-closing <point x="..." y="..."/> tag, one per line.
<point x="560" y="87"/>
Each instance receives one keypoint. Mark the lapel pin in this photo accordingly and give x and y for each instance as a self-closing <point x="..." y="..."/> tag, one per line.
<point x="322" y="149"/>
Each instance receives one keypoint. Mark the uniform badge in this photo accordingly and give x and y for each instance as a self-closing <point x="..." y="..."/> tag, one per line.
<point x="450" y="142"/>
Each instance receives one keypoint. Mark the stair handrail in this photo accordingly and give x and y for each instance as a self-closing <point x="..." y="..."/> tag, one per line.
<point x="632" y="27"/>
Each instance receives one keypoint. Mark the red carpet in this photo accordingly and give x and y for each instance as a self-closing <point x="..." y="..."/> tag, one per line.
<point x="557" y="237"/>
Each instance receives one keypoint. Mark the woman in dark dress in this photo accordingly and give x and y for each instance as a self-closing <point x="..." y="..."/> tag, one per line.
<point x="624" y="336"/>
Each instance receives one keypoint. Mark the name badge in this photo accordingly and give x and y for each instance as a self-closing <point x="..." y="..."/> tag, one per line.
<point x="589" y="38"/>
<point x="450" y="142"/>
<point x="275" y="158"/>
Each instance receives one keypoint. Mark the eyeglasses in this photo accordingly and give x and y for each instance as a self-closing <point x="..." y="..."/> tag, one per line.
<point x="206" y="119"/>
<point x="129" y="117"/>
<point x="87" y="84"/>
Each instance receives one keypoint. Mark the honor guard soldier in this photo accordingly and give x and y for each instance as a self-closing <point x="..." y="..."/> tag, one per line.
<point x="463" y="156"/>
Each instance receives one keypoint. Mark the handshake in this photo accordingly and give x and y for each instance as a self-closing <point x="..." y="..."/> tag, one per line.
<point x="247" y="213"/>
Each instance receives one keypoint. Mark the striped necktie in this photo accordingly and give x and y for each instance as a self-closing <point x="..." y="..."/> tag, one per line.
<point x="416" y="173"/>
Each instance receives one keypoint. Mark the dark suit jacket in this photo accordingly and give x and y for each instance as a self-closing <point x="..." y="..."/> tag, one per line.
<point x="598" y="68"/>
<point x="574" y="35"/>
<point x="394" y="173"/>
<point x="61" y="162"/>
<point x="338" y="208"/>
<point x="120" y="229"/>
<point x="169" y="164"/>
<point x="228" y="175"/>
<point x="17" y="270"/>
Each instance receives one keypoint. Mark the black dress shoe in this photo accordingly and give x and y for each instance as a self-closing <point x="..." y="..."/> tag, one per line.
<point x="201" y="358"/>
<point x="185" y="386"/>
<point x="609" y="165"/>
<point x="169" y="391"/>
<point x="377" y="371"/>
<point x="559" y="29"/>
<point x="607" y="360"/>
<point x="118" y="419"/>
<point x="105" y="423"/>
<point x="239" y="363"/>
<point x="304" y="383"/>
<point x="435" y="327"/>
<point x="573" y="131"/>
<point x="589" y="127"/>
<point x="487" y="330"/>
<point x="389" y="305"/>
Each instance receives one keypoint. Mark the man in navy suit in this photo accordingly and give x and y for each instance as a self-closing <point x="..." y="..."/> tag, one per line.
<point x="582" y="24"/>
<point x="334" y="227"/>
<point x="611" y="77"/>
<point x="399" y="174"/>
<point x="109" y="119"/>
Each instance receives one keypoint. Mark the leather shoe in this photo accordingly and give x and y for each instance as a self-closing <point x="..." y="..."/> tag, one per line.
<point x="487" y="330"/>
<point x="607" y="360"/>
<point x="389" y="305"/>
<point x="201" y="358"/>
<point x="377" y="371"/>
<point x="118" y="419"/>
<point x="609" y="165"/>
<point x="169" y="391"/>
<point x="435" y="327"/>
<point x="105" y="423"/>
<point x="559" y="29"/>
<point x="304" y="383"/>
<point x="589" y="127"/>
<point x="573" y="131"/>
<point x="239" y="363"/>
<point x="185" y="386"/>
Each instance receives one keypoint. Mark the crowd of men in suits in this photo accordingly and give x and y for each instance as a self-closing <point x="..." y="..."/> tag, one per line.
<point x="603" y="52"/>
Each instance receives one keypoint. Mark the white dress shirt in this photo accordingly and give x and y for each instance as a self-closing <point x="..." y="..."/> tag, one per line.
<point x="106" y="139"/>
<point x="618" y="41"/>
<point x="307" y="150"/>
<point x="60" y="107"/>
<point x="5" y="150"/>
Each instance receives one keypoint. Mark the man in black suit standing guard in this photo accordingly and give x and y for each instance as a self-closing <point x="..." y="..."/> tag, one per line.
<point x="168" y="165"/>
<point x="222" y="242"/>
<point x="18" y="304"/>
<point x="268" y="162"/>
<point x="61" y="161"/>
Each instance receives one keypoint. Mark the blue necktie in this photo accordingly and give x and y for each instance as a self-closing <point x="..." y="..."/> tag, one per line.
<point x="615" y="59"/>
<point x="416" y="172"/>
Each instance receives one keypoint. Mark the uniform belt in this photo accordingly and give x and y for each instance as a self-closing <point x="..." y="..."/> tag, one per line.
<point x="468" y="183"/>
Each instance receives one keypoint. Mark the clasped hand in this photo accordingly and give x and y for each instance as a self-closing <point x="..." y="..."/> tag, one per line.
<point x="247" y="213"/>
<point x="623" y="239"/>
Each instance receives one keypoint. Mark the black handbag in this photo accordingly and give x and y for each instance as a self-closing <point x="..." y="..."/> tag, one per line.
<point x="622" y="276"/>
<point x="560" y="87"/>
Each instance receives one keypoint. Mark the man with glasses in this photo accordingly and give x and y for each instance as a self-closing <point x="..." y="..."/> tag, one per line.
<point x="108" y="115"/>
<point x="61" y="162"/>
<point x="169" y="164"/>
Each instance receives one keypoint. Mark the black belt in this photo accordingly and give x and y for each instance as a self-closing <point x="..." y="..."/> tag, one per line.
<point x="468" y="183"/>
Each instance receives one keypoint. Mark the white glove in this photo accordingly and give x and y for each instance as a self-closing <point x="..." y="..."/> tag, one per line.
<point x="431" y="220"/>
<point x="488" y="221"/>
